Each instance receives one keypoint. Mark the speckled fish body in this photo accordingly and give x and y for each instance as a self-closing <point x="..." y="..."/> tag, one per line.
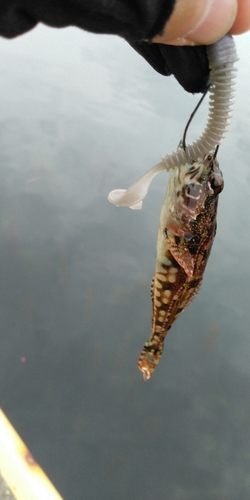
<point x="186" y="233"/>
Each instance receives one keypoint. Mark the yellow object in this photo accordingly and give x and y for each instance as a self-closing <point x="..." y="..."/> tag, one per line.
<point x="21" y="472"/>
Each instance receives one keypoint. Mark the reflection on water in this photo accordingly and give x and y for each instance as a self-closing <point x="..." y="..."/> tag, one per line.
<point x="81" y="115"/>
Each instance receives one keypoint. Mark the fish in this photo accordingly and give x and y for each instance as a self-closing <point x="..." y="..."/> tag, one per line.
<point x="186" y="233"/>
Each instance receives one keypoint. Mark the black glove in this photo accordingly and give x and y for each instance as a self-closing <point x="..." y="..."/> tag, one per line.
<point x="189" y="65"/>
<point x="132" y="19"/>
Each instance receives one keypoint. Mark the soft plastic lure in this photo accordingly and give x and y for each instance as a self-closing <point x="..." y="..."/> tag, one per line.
<point x="222" y="55"/>
<point x="188" y="216"/>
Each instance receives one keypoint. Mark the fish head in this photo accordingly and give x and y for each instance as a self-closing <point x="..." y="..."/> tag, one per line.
<point x="191" y="184"/>
<point x="190" y="209"/>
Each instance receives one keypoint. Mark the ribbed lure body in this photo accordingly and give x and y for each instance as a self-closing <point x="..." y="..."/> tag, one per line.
<point x="185" y="237"/>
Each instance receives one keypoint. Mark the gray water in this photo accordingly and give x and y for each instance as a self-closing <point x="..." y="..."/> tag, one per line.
<point x="81" y="115"/>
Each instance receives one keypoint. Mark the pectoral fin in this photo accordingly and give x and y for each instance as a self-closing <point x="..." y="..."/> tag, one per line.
<point x="183" y="257"/>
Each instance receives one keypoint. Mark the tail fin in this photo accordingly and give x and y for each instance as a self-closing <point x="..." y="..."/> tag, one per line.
<point x="149" y="358"/>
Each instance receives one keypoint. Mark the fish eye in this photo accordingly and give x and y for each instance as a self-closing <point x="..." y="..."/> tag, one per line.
<point x="216" y="183"/>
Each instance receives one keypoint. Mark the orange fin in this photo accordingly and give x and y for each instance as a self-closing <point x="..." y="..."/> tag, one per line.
<point x="184" y="258"/>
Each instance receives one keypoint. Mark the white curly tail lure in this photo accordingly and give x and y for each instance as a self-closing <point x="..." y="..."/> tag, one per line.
<point x="222" y="55"/>
<point x="188" y="216"/>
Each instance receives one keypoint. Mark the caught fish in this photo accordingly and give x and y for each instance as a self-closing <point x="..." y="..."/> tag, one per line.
<point x="185" y="237"/>
<point x="188" y="216"/>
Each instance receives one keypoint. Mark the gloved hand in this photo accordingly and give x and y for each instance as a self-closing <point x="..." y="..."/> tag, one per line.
<point x="172" y="27"/>
<point x="180" y="48"/>
<point x="189" y="65"/>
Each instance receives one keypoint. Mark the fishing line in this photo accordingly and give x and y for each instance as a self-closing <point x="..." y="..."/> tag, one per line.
<point x="183" y="142"/>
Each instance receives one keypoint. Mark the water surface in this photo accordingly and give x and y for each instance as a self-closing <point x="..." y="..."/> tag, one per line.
<point x="80" y="115"/>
